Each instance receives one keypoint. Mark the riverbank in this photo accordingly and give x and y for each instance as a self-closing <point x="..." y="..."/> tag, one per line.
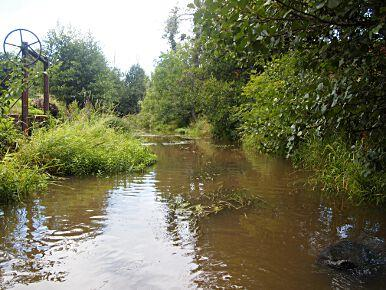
<point x="86" y="143"/>
<point x="335" y="168"/>
<point x="132" y="232"/>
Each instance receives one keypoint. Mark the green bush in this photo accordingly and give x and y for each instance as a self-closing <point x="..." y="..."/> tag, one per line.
<point x="199" y="128"/>
<point x="275" y="108"/>
<point x="219" y="100"/>
<point x="340" y="169"/>
<point x="84" y="145"/>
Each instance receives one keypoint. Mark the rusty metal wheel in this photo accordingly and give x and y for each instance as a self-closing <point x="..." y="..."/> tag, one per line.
<point x="22" y="44"/>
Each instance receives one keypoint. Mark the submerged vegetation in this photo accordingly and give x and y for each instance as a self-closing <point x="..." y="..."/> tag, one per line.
<point x="213" y="202"/>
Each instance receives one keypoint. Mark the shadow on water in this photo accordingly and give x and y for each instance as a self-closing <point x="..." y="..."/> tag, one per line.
<point x="126" y="232"/>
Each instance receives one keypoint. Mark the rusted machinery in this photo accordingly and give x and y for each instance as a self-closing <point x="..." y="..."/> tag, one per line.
<point x="25" y="47"/>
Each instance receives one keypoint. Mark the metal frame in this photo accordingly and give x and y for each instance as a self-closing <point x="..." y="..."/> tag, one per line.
<point x="28" y="54"/>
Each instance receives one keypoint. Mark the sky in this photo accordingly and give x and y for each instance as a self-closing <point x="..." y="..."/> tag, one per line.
<point x="129" y="31"/>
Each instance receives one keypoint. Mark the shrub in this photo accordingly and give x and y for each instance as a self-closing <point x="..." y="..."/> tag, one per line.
<point x="273" y="114"/>
<point x="120" y="124"/>
<point x="199" y="128"/>
<point x="84" y="145"/>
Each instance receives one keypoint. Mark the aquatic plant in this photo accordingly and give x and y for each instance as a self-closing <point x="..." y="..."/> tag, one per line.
<point x="213" y="202"/>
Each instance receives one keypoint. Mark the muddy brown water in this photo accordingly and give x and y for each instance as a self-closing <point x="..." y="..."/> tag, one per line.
<point x="124" y="232"/>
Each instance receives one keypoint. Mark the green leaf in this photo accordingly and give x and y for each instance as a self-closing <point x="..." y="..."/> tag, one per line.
<point x="376" y="29"/>
<point x="333" y="3"/>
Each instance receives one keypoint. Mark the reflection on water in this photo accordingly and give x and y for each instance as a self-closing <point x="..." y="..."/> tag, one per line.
<point x="124" y="232"/>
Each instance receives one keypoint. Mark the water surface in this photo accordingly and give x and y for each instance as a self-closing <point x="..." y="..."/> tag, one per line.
<point x="125" y="232"/>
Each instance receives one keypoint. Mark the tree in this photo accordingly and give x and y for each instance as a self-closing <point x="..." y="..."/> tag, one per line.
<point x="80" y="70"/>
<point x="341" y="42"/>
<point x="171" y="28"/>
<point x="135" y="90"/>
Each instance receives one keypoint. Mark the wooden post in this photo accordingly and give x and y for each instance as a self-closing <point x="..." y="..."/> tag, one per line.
<point x="46" y="102"/>
<point x="24" y="99"/>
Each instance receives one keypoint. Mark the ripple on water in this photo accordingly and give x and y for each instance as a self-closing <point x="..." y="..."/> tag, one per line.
<point x="125" y="232"/>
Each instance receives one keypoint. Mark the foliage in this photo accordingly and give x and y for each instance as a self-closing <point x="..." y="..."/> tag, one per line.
<point x="338" y="168"/>
<point x="79" y="71"/>
<point x="11" y="88"/>
<point x="180" y="92"/>
<point x="18" y="180"/>
<point x="199" y="128"/>
<point x="84" y="145"/>
<point x="9" y="136"/>
<point x="12" y="84"/>
<point x="171" y="28"/>
<point x="119" y="124"/>
<point x="172" y="97"/>
<point x="214" y="202"/>
<point x="246" y="30"/>
<point x="342" y="41"/>
<point x="134" y="91"/>
<point x="219" y="100"/>
<point x="276" y="114"/>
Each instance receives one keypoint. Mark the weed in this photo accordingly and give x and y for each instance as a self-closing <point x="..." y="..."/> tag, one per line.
<point x="339" y="169"/>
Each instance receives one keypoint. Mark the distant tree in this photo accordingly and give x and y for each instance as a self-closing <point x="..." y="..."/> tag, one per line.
<point x="135" y="82"/>
<point x="80" y="69"/>
<point x="171" y="29"/>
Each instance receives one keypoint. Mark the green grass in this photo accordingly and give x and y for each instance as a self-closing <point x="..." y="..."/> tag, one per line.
<point x="9" y="136"/>
<point x="199" y="128"/>
<point x="17" y="181"/>
<point x="338" y="169"/>
<point x="86" y="144"/>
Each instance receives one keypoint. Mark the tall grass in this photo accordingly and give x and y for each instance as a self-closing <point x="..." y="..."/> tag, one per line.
<point x="86" y="143"/>
<point x="9" y="136"/>
<point x="340" y="169"/>
<point x="18" y="180"/>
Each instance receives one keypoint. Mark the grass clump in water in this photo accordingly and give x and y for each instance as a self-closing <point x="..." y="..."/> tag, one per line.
<point x="214" y="202"/>
<point x="18" y="180"/>
<point x="85" y="145"/>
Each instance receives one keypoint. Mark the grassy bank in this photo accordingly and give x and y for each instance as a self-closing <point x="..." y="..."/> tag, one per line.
<point x="87" y="143"/>
<point x="338" y="169"/>
<point x="18" y="180"/>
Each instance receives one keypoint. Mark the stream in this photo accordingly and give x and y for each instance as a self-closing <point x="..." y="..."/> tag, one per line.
<point x="124" y="232"/>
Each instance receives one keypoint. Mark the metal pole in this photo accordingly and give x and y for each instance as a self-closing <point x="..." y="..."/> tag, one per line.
<point x="46" y="102"/>
<point x="24" y="98"/>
